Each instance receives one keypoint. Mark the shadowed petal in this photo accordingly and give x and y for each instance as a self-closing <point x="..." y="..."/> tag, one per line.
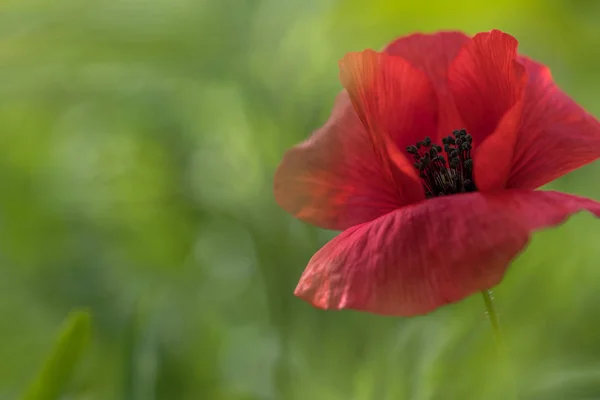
<point x="396" y="104"/>
<point x="556" y="135"/>
<point x="333" y="180"/>
<point x="429" y="254"/>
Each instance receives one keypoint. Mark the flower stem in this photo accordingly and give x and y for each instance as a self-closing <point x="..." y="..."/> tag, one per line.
<point x="503" y="356"/>
<point x="491" y="312"/>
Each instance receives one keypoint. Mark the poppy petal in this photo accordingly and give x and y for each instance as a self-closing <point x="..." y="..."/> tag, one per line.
<point x="332" y="180"/>
<point x="556" y="136"/>
<point x="436" y="252"/>
<point x="493" y="158"/>
<point x="396" y="103"/>
<point x="431" y="53"/>
<point x="486" y="81"/>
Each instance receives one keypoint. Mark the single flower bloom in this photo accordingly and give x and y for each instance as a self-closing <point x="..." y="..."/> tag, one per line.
<point x="429" y="164"/>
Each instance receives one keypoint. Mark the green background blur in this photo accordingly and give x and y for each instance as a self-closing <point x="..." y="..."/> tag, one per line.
<point x="139" y="140"/>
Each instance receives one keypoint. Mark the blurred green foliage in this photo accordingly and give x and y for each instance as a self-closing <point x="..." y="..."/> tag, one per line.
<point x="60" y="365"/>
<point x="139" y="140"/>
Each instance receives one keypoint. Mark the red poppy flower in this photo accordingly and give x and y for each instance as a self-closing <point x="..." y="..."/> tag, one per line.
<point x="429" y="163"/>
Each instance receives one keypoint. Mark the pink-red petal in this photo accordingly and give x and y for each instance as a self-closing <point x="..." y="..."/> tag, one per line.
<point x="426" y="255"/>
<point x="333" y="180"/>
<point x="396" y="104"/>
<point x="556" y="135"/>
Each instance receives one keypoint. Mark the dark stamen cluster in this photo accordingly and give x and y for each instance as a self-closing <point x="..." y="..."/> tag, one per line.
<point x="448" y="173"/>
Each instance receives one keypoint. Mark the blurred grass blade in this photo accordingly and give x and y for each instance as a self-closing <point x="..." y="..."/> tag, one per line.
<point x="141" y="355"/>
<point x="60" y="365"/>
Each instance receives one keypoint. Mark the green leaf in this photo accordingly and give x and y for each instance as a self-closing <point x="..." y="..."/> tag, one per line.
<point x="60" y="365"/>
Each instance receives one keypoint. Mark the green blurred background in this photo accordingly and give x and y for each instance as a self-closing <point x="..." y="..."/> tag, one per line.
<point x="139" y="140"/>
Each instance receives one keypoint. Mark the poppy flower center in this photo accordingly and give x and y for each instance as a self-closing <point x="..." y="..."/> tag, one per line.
<point x="448" y="173"/>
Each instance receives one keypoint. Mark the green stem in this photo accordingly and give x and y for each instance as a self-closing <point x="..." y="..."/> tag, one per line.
<point x="489" y="305"/>
<point x="503" y="356"/>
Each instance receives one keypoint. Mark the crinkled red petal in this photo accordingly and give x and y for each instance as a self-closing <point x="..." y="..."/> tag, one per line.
<point x="556" y="135"/>
<point x="426" y="255"/>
